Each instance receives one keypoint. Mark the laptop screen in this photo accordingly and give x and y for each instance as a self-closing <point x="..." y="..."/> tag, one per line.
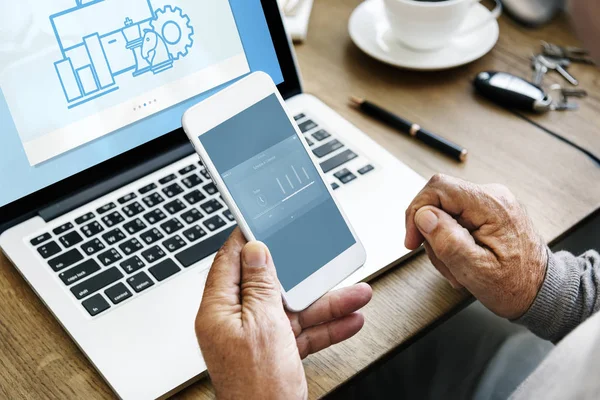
<point x="83" y="81"/>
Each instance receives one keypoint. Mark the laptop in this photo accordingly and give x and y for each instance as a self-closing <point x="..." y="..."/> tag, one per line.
<point x="105" y="208"/>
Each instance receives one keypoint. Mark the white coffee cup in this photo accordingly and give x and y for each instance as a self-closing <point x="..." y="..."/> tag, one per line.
<point x="424" y="25"/>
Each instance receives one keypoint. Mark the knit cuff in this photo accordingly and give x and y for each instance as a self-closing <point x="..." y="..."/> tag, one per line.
<point x="553" y="313"/>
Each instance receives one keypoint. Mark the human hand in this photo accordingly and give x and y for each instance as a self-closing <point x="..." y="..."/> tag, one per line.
<point x="479" y="237"/>
<point x="253" y="347"/>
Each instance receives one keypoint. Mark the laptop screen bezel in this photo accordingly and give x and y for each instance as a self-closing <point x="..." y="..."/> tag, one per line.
<point x="26" y="207"/>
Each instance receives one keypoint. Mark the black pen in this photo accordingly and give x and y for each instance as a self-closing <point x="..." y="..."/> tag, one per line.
<point x="431" y="139"/>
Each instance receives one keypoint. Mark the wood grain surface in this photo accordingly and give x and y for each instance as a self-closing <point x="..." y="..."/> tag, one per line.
<point x="557" y="184"/>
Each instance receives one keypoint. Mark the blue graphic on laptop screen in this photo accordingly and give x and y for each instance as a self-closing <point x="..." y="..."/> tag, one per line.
<point x="82" y="81"/>
<point x="150" y="43"/>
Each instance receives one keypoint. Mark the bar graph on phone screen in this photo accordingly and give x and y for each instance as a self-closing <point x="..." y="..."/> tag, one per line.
<point x="276" y="186"/>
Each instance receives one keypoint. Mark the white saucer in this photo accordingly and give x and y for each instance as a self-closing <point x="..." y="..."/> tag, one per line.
<point x="369" y="28"/>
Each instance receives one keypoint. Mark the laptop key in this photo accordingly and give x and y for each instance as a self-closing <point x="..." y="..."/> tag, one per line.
<point x="321" y="135"/>
<point x="95" y="305"/>
<point x="147" y="188"/>
<point x="110" y="257"/>
<point x="187" y="169"/>
<point x="307" y="126"/>
<point x="341" y="173"/>
<point x="167" y="179"/>
<point x="92" y="247"/>
<point x="164" y="270"/>
<point x="366" y="169"/>
<point x="113" y="219"/>
<point x="205" y="174"/>
<point x="118" y="293"/>
<point x="310" y="142"/>
<point x="211" y="206"/>
<point x="140" y="282"/>
<point x="130" y="246"/>
<point x="192" y="216"/>
<point x="191" y="181"/>
<point x="153" y="254"/>
<point x="348" y="178"/>
<point x="135" y="226"/>
<point x="84" y="218"/>
<point x="335" y="186"/>
<point x="171" y="226"/>
<point x="175" y="206"/>
<point x="345" y="175"/>
<point x="114" y="236"/>
<point x="96" y="282"/>
<point x="214" y="223"/>
<point x="211" y="189"/>
<point x="328" y="148"/>
<point x="151" y="236"/>
<point x="229" y="215"/>
<point x="92" y="229"/>
<point x="338" y="160"/>
<point x="63" y="228"/>
<point x="49" y="249"/>
<point x="79" y="272"/>
<point x="40" y="239"/>
<point x="133" y="209"/>
<point x="194" y="197"/>
<point x="172" y="190"/>
<point x="153" y="199"/>
<point x="65" y="260"/>
<point x="299" y="117"/>
<point x="71" y="239"/>
<point x="194" y="233"/>
<point x="154" y="216"/>
<point x="132" y="264"/>
<point x="127" y="198"/>
<point x="203" y="249"/>
<point x="174" y="244"/>
<point x="105" y="208"/>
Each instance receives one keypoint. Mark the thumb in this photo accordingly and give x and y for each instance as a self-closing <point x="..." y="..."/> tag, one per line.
<point x="259" y="281"/>
<point x="452" y="244"/>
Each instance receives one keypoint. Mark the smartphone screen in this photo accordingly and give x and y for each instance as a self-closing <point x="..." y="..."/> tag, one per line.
<point x="278" y="190"/>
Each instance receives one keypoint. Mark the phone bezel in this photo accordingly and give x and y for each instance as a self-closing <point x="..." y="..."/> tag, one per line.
<point x="238" y="97"/>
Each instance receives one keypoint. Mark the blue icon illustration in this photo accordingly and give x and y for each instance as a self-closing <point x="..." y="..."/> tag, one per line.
<point x="102" y="39"/>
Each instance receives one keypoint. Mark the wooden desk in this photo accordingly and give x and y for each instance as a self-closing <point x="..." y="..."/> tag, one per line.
<point x="558" y="185"/>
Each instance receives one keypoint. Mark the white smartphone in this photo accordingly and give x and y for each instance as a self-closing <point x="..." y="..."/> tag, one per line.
<point x="266" y="173"/>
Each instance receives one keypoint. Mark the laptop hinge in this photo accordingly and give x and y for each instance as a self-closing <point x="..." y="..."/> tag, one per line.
<point x="79" y="199"/>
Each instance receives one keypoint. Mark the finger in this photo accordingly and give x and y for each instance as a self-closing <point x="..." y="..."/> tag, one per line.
<point x="333" y="305"/>
<point x="322" y="336"/>
<point x="457" y="197"/>
<point x="441" y="267"/>
<point x="259" y="284"/>
<point x="451" y="243"/>
<point x="223" y="280"/>
<point x="336" y="304"/>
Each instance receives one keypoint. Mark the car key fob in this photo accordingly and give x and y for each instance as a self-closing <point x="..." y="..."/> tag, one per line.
<point x="512" y="92"/>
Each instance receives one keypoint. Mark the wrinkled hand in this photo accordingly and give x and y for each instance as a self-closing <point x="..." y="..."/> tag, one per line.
<point x="480" y="238"/>
<point x="251" y="345"/>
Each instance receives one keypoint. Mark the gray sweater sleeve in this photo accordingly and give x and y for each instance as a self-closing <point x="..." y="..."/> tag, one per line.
<point x="569" y="295"/>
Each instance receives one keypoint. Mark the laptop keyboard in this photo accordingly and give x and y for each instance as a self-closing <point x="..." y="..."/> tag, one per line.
<point x="156" y="231"/>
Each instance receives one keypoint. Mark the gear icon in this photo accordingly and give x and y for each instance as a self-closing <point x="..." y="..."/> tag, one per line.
<point x="175" y="28"/>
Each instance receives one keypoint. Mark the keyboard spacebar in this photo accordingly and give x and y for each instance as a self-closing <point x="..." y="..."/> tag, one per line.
<point x="203" y="249"/>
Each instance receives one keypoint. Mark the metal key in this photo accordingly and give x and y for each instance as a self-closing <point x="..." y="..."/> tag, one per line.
<point x="564" y="94"/>
<point x="558" y="68"/>
<point x="564" y="107"/>
<point x="572" y="53"/>
<point x="539" y="70"/>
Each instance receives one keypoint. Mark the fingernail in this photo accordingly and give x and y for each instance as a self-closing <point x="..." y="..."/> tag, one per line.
<point x="255" y="255"/>
<point x="426" y="221"/>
